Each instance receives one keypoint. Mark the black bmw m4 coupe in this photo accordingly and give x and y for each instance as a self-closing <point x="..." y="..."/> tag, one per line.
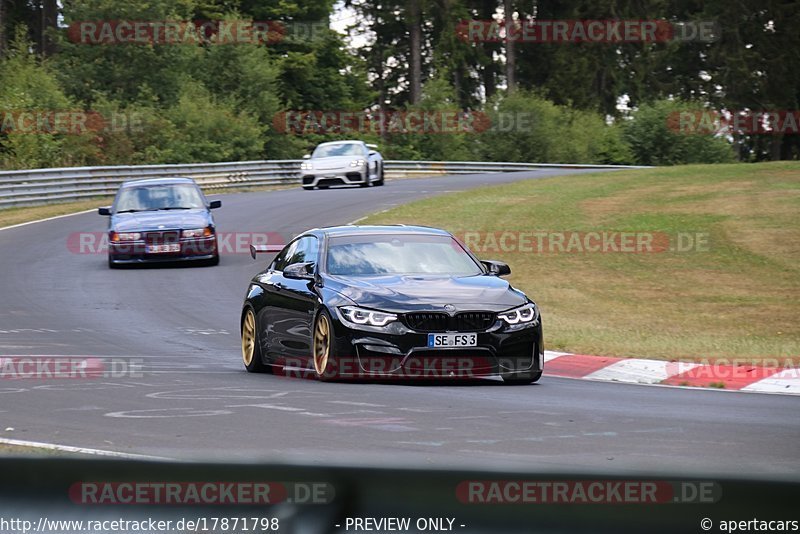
<point x="351" y="302"/>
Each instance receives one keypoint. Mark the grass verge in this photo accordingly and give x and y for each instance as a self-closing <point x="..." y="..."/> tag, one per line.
<point x="733" y="293"/>
<point x="12" y="216"/>
<point x="18" y="449"/>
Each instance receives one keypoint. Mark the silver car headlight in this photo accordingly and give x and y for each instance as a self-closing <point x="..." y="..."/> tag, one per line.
<point x="363" y="316"/>
<point x="524" y="314"/>
<point x="358" y="163"/>
<point x="305" y="166"/>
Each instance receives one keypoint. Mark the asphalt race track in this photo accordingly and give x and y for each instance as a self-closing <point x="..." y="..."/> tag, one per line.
<point x="194" y="399"/>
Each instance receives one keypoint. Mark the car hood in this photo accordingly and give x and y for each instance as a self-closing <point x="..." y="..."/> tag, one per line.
<point x="334" y="162"/>
<point x="429" y="293"/>
<point x="160" y="220"/>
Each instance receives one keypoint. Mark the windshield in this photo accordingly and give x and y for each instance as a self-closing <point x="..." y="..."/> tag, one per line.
<point x="397" y="255"/>
<point x="341" y="149"/>
<point x="159" y="197"/>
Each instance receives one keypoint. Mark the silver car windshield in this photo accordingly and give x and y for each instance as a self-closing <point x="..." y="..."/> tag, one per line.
<point x="159" y="197"/>
<point x="371" y="255"/>
<point x="339" y="149"/>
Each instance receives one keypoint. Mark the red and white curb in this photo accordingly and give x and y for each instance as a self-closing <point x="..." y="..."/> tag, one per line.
<point x="750" y="378"/>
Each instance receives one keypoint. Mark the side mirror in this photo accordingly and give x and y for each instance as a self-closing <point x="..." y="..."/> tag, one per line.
<point x="214" y="204"/>
<point x="372" y="152"/>
<point x="300" y="271"/>
<point x="104" y="211"/>
<point x="307" y="156"/>
<point x="496" y="268"/>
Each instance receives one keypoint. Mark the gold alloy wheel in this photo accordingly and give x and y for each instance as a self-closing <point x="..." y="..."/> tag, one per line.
<point x="322" y="344"/>
<point x="248" y="337"/>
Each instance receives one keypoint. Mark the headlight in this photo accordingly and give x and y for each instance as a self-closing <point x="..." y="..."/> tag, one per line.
<point x="125" y="236"/>
<point x="523" y="314"/>
<point x="367" y="317"/>
<point x="306" y="166"/>
<point x="197" y="232"/>
<point x="358" y="163"/>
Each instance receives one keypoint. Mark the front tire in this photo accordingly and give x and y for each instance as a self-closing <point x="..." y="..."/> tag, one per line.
<point x="323" y="343"/>
<point x="521" y="379"/>
<point x="251" y="348"/>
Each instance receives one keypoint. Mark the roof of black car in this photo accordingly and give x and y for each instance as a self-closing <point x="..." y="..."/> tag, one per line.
<point x="352" y="229"/>
<point x="159" y="181"/>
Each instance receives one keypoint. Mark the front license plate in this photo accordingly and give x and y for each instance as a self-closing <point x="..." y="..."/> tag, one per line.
<point x="452" y="340"/>
<point x="160" y="249"/>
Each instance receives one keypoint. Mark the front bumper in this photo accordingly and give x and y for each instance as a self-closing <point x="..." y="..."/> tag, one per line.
<point x="191" y="249"/>
<point x="403" y="353"/>
<point x="349" y="176"/>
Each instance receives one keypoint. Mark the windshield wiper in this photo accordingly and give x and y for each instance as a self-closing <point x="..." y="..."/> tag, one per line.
<point x="157" y="209"/>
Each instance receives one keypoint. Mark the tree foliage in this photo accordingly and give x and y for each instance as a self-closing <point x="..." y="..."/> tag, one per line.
<point x="654" y="142"/>
<point x="206" y="101"/>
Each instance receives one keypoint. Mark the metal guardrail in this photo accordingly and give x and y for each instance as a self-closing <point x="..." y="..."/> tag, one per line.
<point x="44" y="186"/>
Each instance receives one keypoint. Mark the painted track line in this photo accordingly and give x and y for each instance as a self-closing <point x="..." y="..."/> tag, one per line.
<point x="79" y="450"/>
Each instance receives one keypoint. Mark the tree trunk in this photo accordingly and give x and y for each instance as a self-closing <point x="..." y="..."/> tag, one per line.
<point x="380" y="82"/>
<point x="775" y="148"/>
<point x="415" y="31"/>
<point x="49" y="24"/>
<point x="457" y="76"/>
<point x="3" y="40"/>
<point x="487" y="75"/>
<point x="488" y="8"/>
<point x="511" y="59"/>
<point x="789" y="148"/>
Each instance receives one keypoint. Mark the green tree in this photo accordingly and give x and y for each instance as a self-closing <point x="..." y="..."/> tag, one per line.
<point x="207" y="129"/>
<point x="28" y="85"/>
<point x="439" y="138"/>
<point x="655" y="138"/>
<point x="120" y="72"/>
